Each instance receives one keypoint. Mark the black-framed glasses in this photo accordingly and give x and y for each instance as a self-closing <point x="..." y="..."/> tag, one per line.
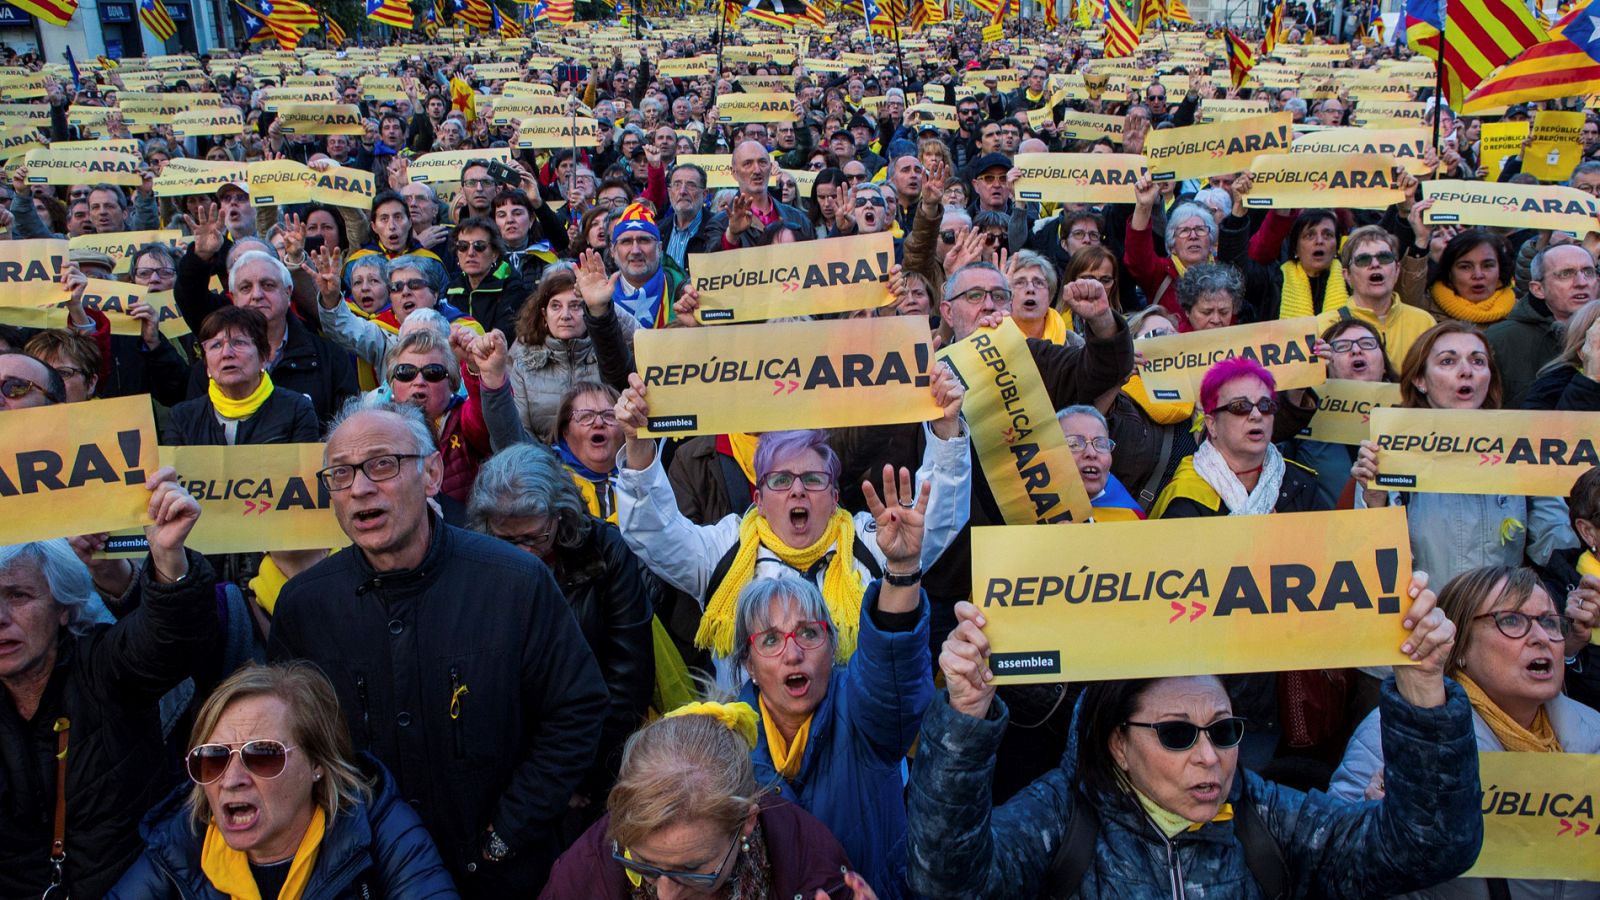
<point x="147" y="273"/>
<point x="1515" y="624"/>
<point x="1077" y="443"/>
<point x="410" y="284"/>
<point x="377" y="468"/>
<point x="1225" y="734"/>
<point x="263" y="759"/>
<point x="700" y="880"/>
<point x="975" y="296"/>
<point x="811" y="481"/>
<point x="14" y="387"/>
<point x="535" y="542"/>
<point x="1241" y="407"/>
<point x="432" y="373"/>
<point x="474" y="246"/>
<point x="1365" y="260"/>
<point x="870" y="201"/>
<point x="1345" y="345"/>
<point x="806" y="636"/>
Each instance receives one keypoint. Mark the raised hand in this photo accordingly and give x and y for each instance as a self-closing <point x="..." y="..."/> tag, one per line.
<point x="325" y="270"/>
<point x="933" y="185"/>
<point x="1431" y="637"/>
<point x="294" y="241"/>
<point x="964" y="660"/>
<point x="594" y="285"/>
<point x="1087" y="298"/>
<point x="900" y="513"/>
<point x="173" y="514"/>
<point x="739" y="216"/>
<point x="492" y="358"/>
<point x="207" y="230"/>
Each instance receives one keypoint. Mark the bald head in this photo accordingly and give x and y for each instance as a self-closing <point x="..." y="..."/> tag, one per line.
<point x="752" y="167"/>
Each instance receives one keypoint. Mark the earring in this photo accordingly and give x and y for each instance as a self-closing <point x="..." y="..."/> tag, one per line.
<point x="317" y="777"/>
<point x="744" y="845"/>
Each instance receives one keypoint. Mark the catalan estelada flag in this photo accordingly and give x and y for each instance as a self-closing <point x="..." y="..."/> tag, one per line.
<point x="1567" y="65"/>
<point x="396" y="13"/>
<point x="1478" y="37"/>
<point x="154" y="15"/>
<point x="1240" y="60"/>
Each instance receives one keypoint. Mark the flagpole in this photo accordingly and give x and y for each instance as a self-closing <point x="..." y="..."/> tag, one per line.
<point x="1438" y="78"/>
<point x="716" y="77"/>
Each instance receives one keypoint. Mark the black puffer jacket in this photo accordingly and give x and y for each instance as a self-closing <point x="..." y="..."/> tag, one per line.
<point x="108" y="684"/>
<point x="1563" y="388"/>
<point x="468" y="678"/>
<point x="286" y="417"/>
<point x="377" y="849"/>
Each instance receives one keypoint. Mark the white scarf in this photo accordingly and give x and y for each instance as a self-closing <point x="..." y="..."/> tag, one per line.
<point x="1210" y="466"/>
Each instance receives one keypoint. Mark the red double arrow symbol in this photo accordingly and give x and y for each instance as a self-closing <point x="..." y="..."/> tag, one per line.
<point x="789" y="286"/>
<point x="251" y="506"/>
<point x="1195" y="610"/>
<point x="780" y="384"/>
<point x="1578" y="829"/>
<point x="1010" y="435"/>
<point x="1489" y="459"/>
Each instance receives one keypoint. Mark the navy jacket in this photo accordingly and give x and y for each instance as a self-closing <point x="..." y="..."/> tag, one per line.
<point x="377" y="849"/>
<point x="1426" y="831"/>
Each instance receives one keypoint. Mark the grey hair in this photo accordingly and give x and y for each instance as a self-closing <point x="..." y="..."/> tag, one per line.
<point x="1184" y="212"/>
<point x="1083" y="409"/>
<point x="430" y="269"/>
<point x="759" y="596"/>
<point x="68" y="578"/>
<point x="723" y="196"/>
<point x="1208" y="278"/>
<point x="526" y="480"/>
<point x="1295" y="103"/>
<point x="950" y="281"/>
<point x="1588" y="167"/>
<point x="421" y="435"/>
<point x="242" y="245"/>
<point x="426" y="320"/>
<point x="424" y="340"/>
<point x="957" y="213"/>
<point x="1028" y="259"/>
<point x="1536" y="266"/>
<point x="370" y="261"/>
<point x="1216" y="199"/>
<point x="251" y="256"/>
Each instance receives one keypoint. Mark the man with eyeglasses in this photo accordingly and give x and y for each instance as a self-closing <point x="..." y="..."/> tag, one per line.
<point x="1370" y="258"/>
<point x="992" y="191"/>
<point x="1563" y="280"/>
<point x="688" y="229"/>
<point x="963" y="142"/>
<point x="455" y="657"/>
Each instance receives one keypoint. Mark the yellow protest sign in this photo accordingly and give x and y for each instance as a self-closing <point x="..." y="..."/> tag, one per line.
<point x="509" y="108"/>
<point x="113" y="298"/>
<point x="741" y="108"/>
<point x="1079" y="177"/>
<point x="1218" y="149"/>
<point x="1299" y="180"/>
<point x="1542" y="206"/>
<point x="1405" y="145"/>
<point x="1538" y="810"/>
<point x="1344" y="409"/>
<point x="227" y="122"/>
<point x="183" y="177"/>
<point x="1499" y="142"/>
<point x="76" y="468"/>
<point x="551" y="132"/>
<point x="120" y="245"/>
<point x="1214" y="110"/>
<point x="276" y="182"/>
<point x="935" y="114"/>
<point x="16" y="140"/>
<point x="1370" y="112"/>
<point x="343" y="186"/>
<point x="47" y="165"/>
<point x="1025" y="458"/>
<point x="993" y="33"/>
<point x="1175" y="363"/>
<point x="321" y="118"/>
<point x="828" y="374"/>
<point x="144" y="112"/>
<point x="756" y="283"/>
<point x="22" y="87"/>
<point x="1079" y="126"/>
<point x="687" y="67"/>
<point x="25" y="113"/>
<point x="1235" y="594"/>
<point x="276" y="99"/>
<point x="120" y="145"/>
<point x="1553" y="150"/>
<point x="718" y="168"/>
<point x="1483" y="451"/>
<point x="32" y="260"/>
<point x="444" y="166"/>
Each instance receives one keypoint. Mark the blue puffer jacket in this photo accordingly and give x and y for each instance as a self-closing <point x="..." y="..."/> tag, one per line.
<point x="850" y="774"/>
<point x="378" y="849"/>
<point x="1426" y="831"/>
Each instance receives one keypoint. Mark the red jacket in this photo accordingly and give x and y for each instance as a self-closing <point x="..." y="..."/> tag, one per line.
<point x="463" y="442"/>
<point x="803" y="853"/>
<point x="1155" y="275"/>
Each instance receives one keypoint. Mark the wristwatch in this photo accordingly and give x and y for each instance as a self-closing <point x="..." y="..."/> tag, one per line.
<point x="495" y="847"/>
<point x="909" y="579"/>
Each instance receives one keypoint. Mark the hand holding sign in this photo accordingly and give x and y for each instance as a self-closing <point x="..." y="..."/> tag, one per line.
<point x="149" y="331"/>
<point x="1583" y="608"/>
<point x="1432" y="635"/>
<point x="964" y="659"/>
<point x="633" y="414"/>
<point x="173" y="514"/>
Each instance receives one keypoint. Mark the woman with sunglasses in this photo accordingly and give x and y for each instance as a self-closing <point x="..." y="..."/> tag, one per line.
<point x="408" y="284"/>
<point x="421" y="370"/>
<point x="688" y="820"/>
<point x="1509" y="657"/>
<point x="241" y="405"/>
<point x="485" y="285"/>
<point x="1452" y="367"/>
<point x="281" y="806"/>
<point x="1149" y="800"/>
<point x="1371" y="268"/>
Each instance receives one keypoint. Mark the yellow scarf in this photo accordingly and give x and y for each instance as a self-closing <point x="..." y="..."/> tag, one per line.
<point x="786" y="755"/>
<point x="841" y="585"/>
<point x="1055" y="327"/>
<point x="1170" y="823"/>
<point x="240" y="409"/>
<point x="1161" y="412"/>
<point x="1178" y="265"/>
<point x="228" y="869"/>
<point x="1497" y="307"/>
<point x="1297" y="300"/>
<point x="744" y="453"/>
<point x="1588" y="564"/>
<point x="1541" y="738"/>
<point x="738" y="717"/>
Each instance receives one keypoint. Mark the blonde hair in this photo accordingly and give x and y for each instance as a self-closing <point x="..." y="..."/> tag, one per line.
<point x="316" y="729"/>
<point x="684" y="768"/>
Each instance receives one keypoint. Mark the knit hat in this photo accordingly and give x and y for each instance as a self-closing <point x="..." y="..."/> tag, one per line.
<point x="635" y="219"/>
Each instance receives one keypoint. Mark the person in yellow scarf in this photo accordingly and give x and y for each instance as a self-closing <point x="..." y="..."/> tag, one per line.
<point x="280" y="808"/>
<point x="1472" y="281"/>
<point x="1033" y="283"/>
<point x="241" y="406"/>
<point x="1310" y="282"/>
<point x="795" y="527"/>
<point x="1508" y="657"/>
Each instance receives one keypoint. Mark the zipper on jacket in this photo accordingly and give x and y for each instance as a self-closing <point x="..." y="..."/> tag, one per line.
<point x="366" y="717"/>
<point x="458" y="693"/>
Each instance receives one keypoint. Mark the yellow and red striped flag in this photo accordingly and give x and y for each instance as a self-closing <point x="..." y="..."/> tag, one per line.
<point x="54" y="12"/>
<point x="1240" y="60"/>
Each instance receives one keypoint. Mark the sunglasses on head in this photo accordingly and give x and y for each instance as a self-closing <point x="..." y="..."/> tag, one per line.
<point x="475" y="246"/>
<point x="263" y="759"/>
<point x="1225" y="734"/>
<point x="1241" y="407"/>
<point x="433" y="373"/>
